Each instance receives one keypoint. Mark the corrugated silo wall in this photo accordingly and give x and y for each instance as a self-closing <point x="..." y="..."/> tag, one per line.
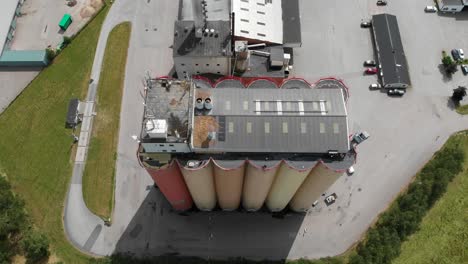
<point x="318" y="181"/>
<point x="285" y="186"/>
<point x="228" y="184"/>
<point x="200" y="183"/>
<point x="172" y="185"/>
<point x="257" y="184"/>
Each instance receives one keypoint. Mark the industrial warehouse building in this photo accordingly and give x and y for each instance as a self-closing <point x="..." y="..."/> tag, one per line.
<point x="391" y="56"/>
<point x="206" y="33"/>
<point x="9" y="11"/>
<point x="230" y="147"/>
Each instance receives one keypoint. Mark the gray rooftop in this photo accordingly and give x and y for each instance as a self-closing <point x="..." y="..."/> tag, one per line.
<point x="291" y="23"/>
<point x="391" y="56"/>
<point x="210" y="44"/>
<point x="168" y="103"/>
<point x="273" y="120"/>
<point x="7" y="12"/>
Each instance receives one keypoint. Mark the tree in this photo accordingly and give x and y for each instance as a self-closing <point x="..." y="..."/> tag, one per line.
<point x="35" y="246"/>
<point x="449" y="65"/>
<point x="459" y="93"/>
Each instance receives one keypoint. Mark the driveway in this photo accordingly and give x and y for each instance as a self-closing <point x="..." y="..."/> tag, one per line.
<point x="405" y="132"/>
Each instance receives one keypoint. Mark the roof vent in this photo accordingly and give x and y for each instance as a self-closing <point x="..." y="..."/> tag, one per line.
<point x="193" y="164"/>
<point x="208" y="104"/>
<point x="156" y="128"/>
<point x="199" y="104"/>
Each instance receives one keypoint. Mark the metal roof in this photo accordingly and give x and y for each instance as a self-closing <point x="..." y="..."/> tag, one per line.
<point x="391" y="56"/>
<point x="258" y="20"/>
<point x="214" y="43"/>
<point x="272" y="120"/>
<point x="291" y="23"/>
<point x="7" y="13"/>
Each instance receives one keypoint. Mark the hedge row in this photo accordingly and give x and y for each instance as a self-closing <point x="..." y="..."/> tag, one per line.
<point x="383" y="242"/>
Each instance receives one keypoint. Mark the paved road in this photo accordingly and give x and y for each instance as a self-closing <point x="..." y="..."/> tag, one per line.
<point x="405" y="132"/>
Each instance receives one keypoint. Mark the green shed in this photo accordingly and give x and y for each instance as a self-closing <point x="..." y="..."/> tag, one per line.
<point x="65" y="22"/>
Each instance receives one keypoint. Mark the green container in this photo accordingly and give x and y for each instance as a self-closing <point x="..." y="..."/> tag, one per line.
<point x="65" y="22"/>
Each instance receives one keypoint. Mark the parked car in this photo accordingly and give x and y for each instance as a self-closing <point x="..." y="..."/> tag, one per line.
<point x="370" y="63"/>
<point x="366" y="24"/>
<point x="461" y="54"/>
<point x="360" y="137"/>
<point x="330" y="199"/>
<point x="397" y="92"/>
<point x="455" y="54"/>
<point x="430" y="9"/>
<point x="372" y="70"/>
<point x="375" y="86"/>
<point x="381" y="2"/>
<point x="464" y="68"/>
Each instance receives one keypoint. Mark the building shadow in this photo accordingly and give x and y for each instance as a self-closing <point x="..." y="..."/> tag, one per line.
<point x="156" y="231"/>
<point x="459" y="16"/>
<point x="20" y="69"/>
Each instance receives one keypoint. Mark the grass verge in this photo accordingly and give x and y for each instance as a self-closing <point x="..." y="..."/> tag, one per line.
<point x="443" y="235"/>
<point x="463" y="110"/>
<point x="98" y="178"/>
<point x="35" y="147"/>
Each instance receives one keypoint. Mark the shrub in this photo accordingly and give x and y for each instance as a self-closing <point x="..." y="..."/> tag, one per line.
<point x="50" y="53"/>
<point x="35" y="246"/>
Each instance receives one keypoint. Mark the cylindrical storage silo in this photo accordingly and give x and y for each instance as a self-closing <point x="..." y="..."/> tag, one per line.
<point x="198" y="176"/>
<point x="288" y="179"/>
<point x="229" y="178"/>
<point x="259" y="177"/>
<point x="172" y="185"/>
<point x="318" y="181"/>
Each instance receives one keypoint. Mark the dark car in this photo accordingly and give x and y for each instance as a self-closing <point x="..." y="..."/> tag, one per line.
<point x="366" y="24"/>
<point x="464" y="68"/>
<point x="396" y="92"/>
<point x="370" y="63"/>
<point x="455" y="54"/>
<point x="382" y="2"/>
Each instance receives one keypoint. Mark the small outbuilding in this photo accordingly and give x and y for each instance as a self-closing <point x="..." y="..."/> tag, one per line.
<point x="450" y="5"/>
<point x="65" y="22"/>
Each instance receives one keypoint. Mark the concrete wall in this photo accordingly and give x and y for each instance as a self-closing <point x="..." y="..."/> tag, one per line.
<point x="200" y="183"/>
<point x="316" y="183"/>
<point x="213" y="183"/>
<point x="228" y="184"/>
<point x="257" y="185"/>
<point x="285" y="186"/>
<point x="199" y="65"/>
<point x="171" y="183"/>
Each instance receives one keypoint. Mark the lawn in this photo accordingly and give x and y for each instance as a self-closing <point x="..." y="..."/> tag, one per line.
<point x="463" y="110"/>
<point x="98" y="178"/>
<point x="36" y="149"/>
<point x="443" y="235"/>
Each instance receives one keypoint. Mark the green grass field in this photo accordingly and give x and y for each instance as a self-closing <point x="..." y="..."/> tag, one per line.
<point x="98" y="178"/>
<point x="36" y="149"/>
<point x="443" y="236"/>
<point x="463" y="110"/>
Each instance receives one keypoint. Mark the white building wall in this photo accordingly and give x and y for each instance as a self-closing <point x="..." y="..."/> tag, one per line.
<point x="450" y="7"/>
<point x="258" y="20"/>
<point x="187" y="66"/>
